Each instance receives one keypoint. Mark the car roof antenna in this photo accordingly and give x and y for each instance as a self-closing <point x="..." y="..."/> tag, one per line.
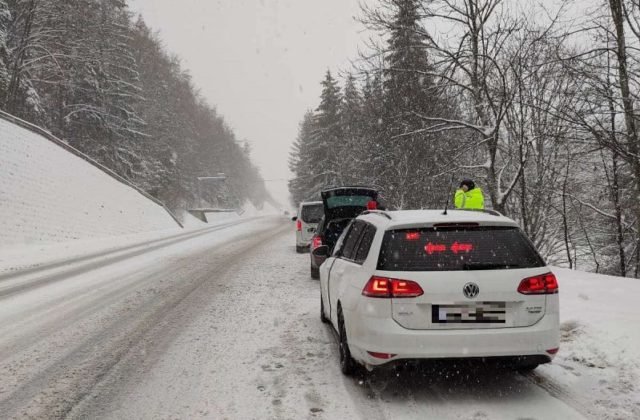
<point x="446" y="206"/>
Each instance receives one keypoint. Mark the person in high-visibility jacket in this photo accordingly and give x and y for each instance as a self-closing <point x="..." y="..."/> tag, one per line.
<point x="468" y="196"/>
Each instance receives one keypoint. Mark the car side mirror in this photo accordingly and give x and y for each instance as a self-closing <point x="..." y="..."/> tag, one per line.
<point x="320" y="254"/>
<point x="294" y="218"/>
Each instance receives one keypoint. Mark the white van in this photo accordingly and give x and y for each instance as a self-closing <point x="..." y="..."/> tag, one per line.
<point x="309" y="214"/>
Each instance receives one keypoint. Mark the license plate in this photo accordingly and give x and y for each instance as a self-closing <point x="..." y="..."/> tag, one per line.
<point x="470" y="313"/>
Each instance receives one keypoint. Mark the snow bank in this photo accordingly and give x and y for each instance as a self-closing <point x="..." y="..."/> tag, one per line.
<point x="17" y="258"/>
<point x="49" y="195"/>
<point x="599" y="358"/>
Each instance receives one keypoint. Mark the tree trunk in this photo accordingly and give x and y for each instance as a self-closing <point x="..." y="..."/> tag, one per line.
<point x="565" y="224"/>
<point x="627" y="103"/>
<point x="616" y="202"/>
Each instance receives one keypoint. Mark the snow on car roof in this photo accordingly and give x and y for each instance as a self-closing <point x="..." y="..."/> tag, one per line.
<point x="409" y="218"/>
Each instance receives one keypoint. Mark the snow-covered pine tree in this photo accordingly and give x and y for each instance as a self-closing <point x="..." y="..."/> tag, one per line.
<point x="351" y="154"/>
<point x="160" y="175"/>
<point x="327" y="138"/>
<point x="373" y="132"/>
<point x="410" y="93"/>
<point x="101" y="84"/>
<point x="300" y="162"/>
<point x="25" y="55"/>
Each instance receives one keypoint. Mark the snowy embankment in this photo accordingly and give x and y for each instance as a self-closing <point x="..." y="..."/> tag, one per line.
<point x="598" y="366"/>
<point x="50" y="193"/>
<point x="56" y="204"/>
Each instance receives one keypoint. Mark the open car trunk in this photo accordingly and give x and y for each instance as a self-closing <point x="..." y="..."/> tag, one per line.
<point x="347" y="202"/>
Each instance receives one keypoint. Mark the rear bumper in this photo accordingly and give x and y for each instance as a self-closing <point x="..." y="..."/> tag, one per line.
<point x="301" y="241"/>
<point x="524" y="345"/>
<point x="306" y="245"/>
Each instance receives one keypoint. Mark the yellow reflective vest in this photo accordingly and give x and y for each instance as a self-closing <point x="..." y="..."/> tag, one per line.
<point x="472" y="199"/>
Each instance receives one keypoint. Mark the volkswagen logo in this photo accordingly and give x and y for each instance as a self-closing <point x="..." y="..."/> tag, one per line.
<point x="471" y="290"/>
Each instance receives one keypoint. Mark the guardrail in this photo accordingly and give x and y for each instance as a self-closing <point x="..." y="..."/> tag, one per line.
<point x="201" y="214"/>
<point x="46" y="134"/>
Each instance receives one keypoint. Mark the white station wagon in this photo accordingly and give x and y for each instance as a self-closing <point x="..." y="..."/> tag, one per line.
<point x="427" y="285"/>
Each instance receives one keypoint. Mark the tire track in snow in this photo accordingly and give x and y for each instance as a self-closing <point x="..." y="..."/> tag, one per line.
<point x="60" y="380"/>
<point x="11" y="284"/>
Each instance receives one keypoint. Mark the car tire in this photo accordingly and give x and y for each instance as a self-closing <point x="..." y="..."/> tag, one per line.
<point x="347" y="364"/>
<point x="300" y="249"/>
<point x="323" y="317"/>
<point x="315" y="273"/>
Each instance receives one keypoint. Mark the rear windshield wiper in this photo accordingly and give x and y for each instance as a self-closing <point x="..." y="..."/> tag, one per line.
<point x="488" y="266"/>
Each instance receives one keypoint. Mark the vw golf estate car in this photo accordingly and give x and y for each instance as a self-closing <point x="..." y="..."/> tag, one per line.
<point x="427" y="285"/>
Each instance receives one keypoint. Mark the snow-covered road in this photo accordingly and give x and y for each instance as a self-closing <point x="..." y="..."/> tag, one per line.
<point x="223" y="325"/>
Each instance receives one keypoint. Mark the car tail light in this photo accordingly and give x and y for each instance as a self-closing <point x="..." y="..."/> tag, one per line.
<point x="544" y="284"/>
<point x="553" y="351"/>
<point x="385" y="356"/>
<point x="299" y="225"/>
<point x="316" y="242"/>
<point x="383" y="287"/>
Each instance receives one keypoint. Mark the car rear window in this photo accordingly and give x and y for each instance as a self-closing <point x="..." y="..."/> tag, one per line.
<point x="312" y="213"/>
<point x="348" y="201"/>
<point x="457" y="248"/>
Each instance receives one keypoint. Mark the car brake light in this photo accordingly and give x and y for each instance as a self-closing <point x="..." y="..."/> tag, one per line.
<point x="299" y="225"/>
<point x="544" y="284"/>
<point x="553" y="351"/>
<point x="412" y="236"/>
<point x="385" y="356"/>
<point x="455" y="225"/>
<point x="316" y="242"/>
<point x="377" y="287"/>
<point x="383" y="287"/>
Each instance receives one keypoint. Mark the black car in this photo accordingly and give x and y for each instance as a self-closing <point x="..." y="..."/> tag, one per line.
<point x="341" y="205"/>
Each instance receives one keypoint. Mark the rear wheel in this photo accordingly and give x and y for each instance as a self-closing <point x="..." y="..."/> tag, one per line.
<point x="323" y="317"/>
<point x="347" y="364"/>
<point x="300" y="249"/>
<point x="315" y="272"/>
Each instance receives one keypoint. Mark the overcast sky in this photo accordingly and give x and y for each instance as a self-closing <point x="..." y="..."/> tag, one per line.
<point x="260" y="62"/>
